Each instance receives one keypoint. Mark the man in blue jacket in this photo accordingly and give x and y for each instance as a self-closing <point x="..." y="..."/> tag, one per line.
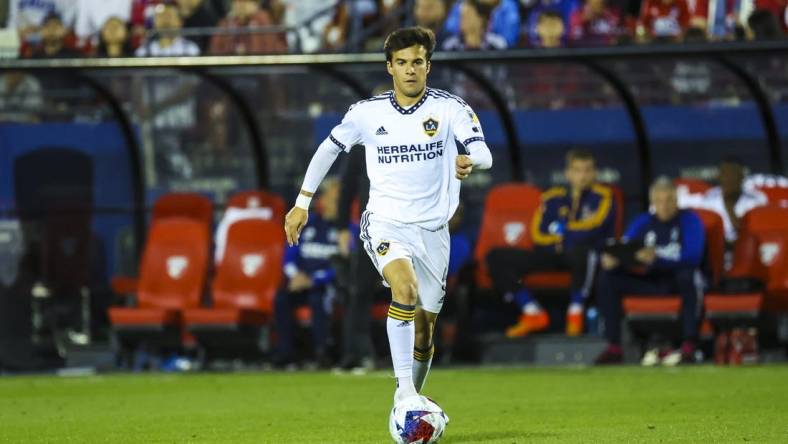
<point x="309" y="279"/>
<point x="667" y="245"/>
<point x="571" y="225"/>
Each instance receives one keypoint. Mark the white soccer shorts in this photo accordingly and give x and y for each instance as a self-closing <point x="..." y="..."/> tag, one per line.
<point x="386" y="240"/>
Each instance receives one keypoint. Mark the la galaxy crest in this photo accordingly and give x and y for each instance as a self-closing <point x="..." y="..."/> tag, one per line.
<point x="383" y="248"/>
<point x="430" y="126"/>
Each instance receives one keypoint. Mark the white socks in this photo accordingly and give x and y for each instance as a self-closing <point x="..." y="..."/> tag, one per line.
<point x="401" y="330"/>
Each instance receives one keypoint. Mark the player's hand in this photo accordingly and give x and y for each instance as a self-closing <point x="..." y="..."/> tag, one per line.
<point x="463" y="166"/>
<point x="294" y="222"/>
<point x="608" y="261"/>
<point x="646" y="255"/>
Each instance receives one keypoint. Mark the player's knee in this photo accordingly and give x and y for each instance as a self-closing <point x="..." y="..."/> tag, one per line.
<point x="405" y="292"/>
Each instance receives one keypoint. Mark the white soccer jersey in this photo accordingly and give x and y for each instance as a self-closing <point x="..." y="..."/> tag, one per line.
<point x="411" y="153"/>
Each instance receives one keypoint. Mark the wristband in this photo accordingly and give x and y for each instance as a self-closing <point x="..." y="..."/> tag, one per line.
<point x="303" y="201"/>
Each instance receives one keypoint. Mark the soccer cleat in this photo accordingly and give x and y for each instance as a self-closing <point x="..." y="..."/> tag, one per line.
<point x="528" y="323"/>
<point x="683" y="355"/>
<point x="654" y="356"/>
<point x="574" y="324"/>
<point x="612" y="355"/>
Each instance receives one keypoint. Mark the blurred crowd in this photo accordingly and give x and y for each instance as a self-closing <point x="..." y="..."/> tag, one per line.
<point x="125" y="28"/>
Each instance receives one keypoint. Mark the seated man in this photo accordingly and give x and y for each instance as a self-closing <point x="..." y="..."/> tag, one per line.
<point x="572" y="222"/>
<point x="309" y="278"/>
<point x="665" y="257"/>
<point x="730" y="200"/>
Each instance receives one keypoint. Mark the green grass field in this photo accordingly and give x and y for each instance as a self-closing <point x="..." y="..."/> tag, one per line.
<point x="622" y="405"/>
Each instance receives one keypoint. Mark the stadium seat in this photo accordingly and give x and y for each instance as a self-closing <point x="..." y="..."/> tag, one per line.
<point x="508" y="211"/>
<point x="692" y="186"/>
<point x="760" y="254"/>
<point x="172" y="278"/>
<point x="660" y="313"/>
<point x="243" y="290"/>
<point x="259" y="199"/>
<point x="189" y="205"/>
<point x="777" y="196"/>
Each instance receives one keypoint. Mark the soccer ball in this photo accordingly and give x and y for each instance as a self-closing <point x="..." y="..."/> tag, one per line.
<point x="417" y="420"/>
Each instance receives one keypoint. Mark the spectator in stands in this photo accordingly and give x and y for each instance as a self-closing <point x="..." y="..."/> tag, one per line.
<point x="663" y="21"/>
<point x="504" y="20"/>
<point x="114" y="39"/>
<point x="594" y="24"/>
<point x="310" y="24"/>
<point x="474" y="34"/>
<point x="431" y="14"/>
<point x="27" y="16"/>
<point x="239" y="34"/>
<point x="168" y="41"/>
<point x="562" y="9"/>
<point x="571" y="224"/>
<point x="92" y="14"/>
<point x="20" y="97"/>
<point x="353" y="19"/>
<point x="730" y="200"/>
<point x="53" y="40"/>
<point x="664" y="251"/>
<point x="550" y="30"/>
<point x="763" y="25"/>
<point x="309" y="277"/>
<point x="198" y="14"/>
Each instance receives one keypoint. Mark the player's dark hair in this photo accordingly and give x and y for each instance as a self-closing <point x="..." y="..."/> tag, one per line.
<point x="573" y="155"/>
<point x="407" y="37"/>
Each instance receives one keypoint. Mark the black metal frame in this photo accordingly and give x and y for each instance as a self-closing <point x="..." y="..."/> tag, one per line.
<point x="326" y="64"/>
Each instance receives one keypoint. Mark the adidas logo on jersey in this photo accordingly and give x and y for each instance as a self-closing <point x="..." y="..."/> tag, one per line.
<point x="381" y="132"/>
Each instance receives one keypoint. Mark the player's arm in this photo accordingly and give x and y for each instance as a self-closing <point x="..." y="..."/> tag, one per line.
<point x="341" y="138"/>
<point x="469" y="132"/>
<point x="546" y="226"/>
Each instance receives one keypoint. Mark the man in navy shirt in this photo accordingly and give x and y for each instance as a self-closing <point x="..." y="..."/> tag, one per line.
<point x="309" y="278"/>
<point x="668" y="245"/>
<point x="572" y="223"/>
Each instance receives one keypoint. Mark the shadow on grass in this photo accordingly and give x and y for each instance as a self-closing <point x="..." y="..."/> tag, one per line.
<point x="516" y="437"/>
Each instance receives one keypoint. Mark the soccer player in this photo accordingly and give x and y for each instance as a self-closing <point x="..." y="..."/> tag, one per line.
<point x="415" y="171"/>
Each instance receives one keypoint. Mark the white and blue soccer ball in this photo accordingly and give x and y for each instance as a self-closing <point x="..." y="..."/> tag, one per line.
<point x="417" y="420"/>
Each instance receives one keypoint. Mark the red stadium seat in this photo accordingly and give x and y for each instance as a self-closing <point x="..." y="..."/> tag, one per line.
<point x="715" y="242"/>
<point x="760" y="253"/>
<point x="693" y="186"/>
<point x="189" y="205"/>
<point x="243" y="289"/>
<point x="665" y="308"/>
<point x="259" y="199"/>
<point x="508" y="211"/>
<point x="777" y="196"/>
<point x="172" y="278"/>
